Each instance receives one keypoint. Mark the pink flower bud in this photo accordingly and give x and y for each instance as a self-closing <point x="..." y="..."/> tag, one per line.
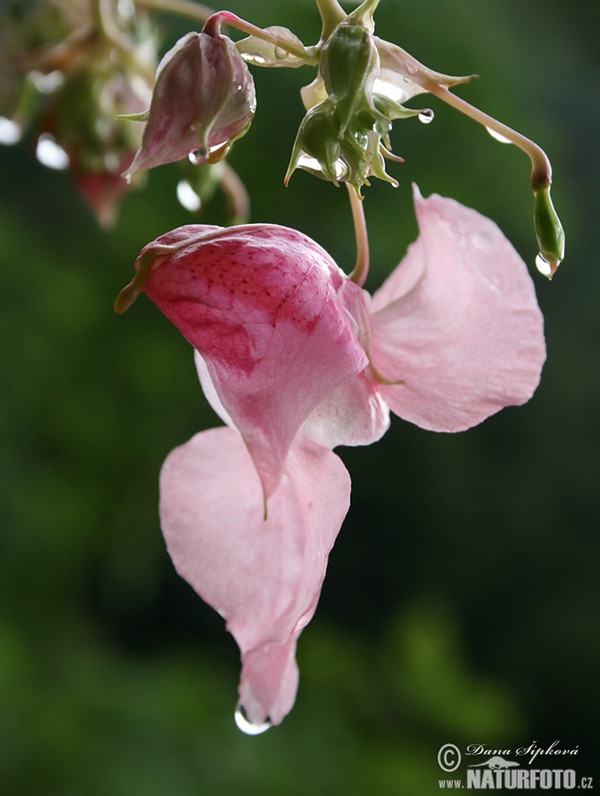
<point x="203" y="101"/>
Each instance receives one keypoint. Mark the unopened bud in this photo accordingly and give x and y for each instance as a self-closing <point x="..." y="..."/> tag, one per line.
<point x="203" y="101"/>
<point x="349" y="65"/>
<point x="549" y="232"/>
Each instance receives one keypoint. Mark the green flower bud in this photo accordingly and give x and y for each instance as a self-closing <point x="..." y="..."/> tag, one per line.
<point x="349" y="65"/>
<point x="549" y="232"/>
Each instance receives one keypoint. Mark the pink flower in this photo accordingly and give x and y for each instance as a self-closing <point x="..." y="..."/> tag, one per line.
<point x="297" y="359"/>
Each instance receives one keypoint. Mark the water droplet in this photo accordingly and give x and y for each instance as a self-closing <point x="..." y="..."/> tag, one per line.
<point x="498" y="137"/>
<point x="426" y="116"/>
<point x="247" y="726"/>
<point x="544" y="267"/>
<point x="197" y="157"/>
<point x="280" y="53"/>
<point x="51" y="154"/>
<point x="311" y="164"/>
<point x="188" y="197"/>
<point x="10" y="132"/>
<point x="239" y="87"/>
<point x="257" y="60"/>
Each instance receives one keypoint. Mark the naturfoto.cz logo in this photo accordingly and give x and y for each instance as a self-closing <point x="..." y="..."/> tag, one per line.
<point x="553" y="769"/>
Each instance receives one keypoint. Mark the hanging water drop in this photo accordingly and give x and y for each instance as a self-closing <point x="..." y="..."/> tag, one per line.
<point x="426" y="116"/>
<point x="497" y="137"/>
<point x="544" y="267"/>
<point x="247" y="726"/>
<point x="197" y="157"/>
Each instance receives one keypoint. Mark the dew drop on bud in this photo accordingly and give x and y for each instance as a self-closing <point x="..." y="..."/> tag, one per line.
<point x="247" y="726"/>
<point x="426" y="116"/>
<point x="544" y="267"/>
<point x="51" y="154"/>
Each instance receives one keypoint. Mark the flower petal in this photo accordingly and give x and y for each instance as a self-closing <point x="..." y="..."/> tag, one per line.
<point x="263" y="576"/>
<point x="457" y="324"/>
<point x="260" y="303"/>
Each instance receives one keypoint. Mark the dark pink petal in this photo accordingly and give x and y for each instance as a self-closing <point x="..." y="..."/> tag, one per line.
<point x="263" y="576"/>
<point x="457" y="324"/>
<point x="203" y="100"/>
<point x="260" y="303"/>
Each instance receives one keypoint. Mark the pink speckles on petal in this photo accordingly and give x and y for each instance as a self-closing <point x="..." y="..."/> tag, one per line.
<point x="260" y="303"/>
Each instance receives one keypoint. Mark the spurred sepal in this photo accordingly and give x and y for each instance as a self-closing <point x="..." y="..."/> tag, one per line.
<point x="261" y="304"/>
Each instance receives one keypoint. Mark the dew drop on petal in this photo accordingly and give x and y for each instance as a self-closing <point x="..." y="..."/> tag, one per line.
<point x="188" y="197"/>
<point x="10" y="132"/>
<point x="498" y="137"/>
<point x="247" y="726"/>
<point x="51" y="154"/>
<point x="426" y="116"/>
<point x="280" y="53"/>
<point x="256" y="60"/>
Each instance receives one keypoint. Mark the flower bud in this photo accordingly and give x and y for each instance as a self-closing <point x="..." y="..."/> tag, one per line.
<point x="349" y="65"/>
<point x="549" y="232"/>
<point x="203" y="101"/>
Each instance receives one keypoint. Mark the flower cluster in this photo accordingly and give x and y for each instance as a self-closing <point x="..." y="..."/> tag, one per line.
<point x="295" y="357"/>
<point x="297" y="360"/>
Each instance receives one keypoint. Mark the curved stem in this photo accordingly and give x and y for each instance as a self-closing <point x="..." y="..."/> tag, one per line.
<point x="541" y="168"/>
<point x="240" y="24"/>
<point x="361" y="268"/>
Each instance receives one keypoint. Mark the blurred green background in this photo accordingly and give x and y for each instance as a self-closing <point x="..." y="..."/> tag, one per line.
<point x="462" y="598"/>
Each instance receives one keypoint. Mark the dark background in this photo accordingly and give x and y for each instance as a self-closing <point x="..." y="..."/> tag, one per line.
<point x="462" y="598"/>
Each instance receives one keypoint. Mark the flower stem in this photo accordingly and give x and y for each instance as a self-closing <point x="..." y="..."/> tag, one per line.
<point x="361" y="268"/>
<point x="541" y="169"/>
<point x="237" y="196"/>
<point x="236" y="22"/>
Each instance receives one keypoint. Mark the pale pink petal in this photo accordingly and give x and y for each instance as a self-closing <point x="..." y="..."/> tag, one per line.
<point x="457" y="324"/>
<point x="263" y="576"/>
<point x="260" y="303"/>
<point x="354" y="414"/>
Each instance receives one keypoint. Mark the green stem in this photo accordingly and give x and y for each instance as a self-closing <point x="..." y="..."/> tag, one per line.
<point x="361" y="268"/>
